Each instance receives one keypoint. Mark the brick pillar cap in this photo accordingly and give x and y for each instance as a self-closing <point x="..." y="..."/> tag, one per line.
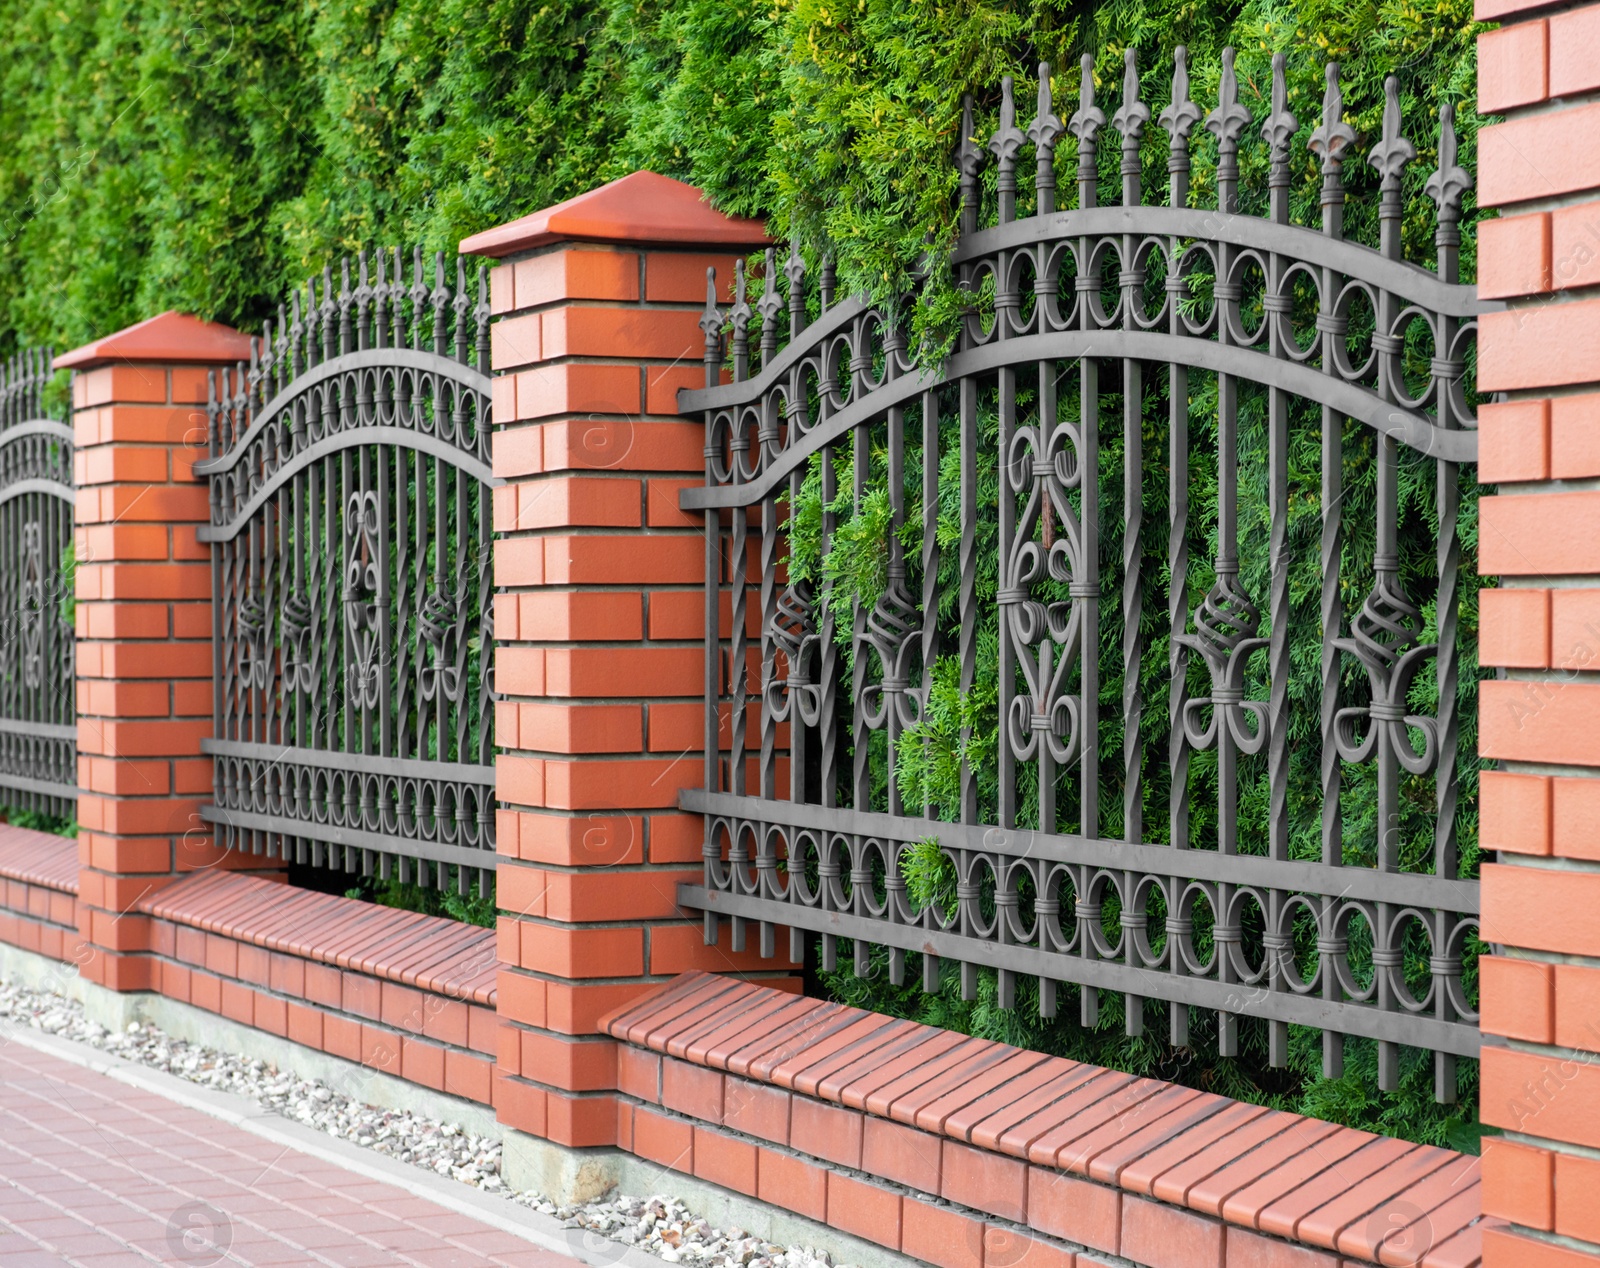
<point x="645" y="207"/>
<point x="171" y="337"/>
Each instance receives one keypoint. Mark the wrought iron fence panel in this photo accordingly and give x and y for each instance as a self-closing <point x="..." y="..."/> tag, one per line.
<point x="1294" y="339"/>
<point x="350" y="539"/>
<point x="38" y="706"/>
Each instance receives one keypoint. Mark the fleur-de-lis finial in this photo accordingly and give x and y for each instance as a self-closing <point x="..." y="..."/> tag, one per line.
<point x="1045" y="129"/>
<point x="1088" y="118"/>
<point x="711" y="325"/>
<point x="1449" y="181"/>
<point x="1333" y="136"/>
<point x="1008" y="138"/>
<point x="1004" y="145"/>
<point x="794" y="268"/>
<point x="1281" y="125"/>
<point x="711" y="318"/>
<point x="1231" y="116"/>
<point x="769" y="305"/>
<point x="1393" y="152"/>
<point x="1179" y="118"/>
<point x="968" y="156"/>
<point x="1132" y="115"/>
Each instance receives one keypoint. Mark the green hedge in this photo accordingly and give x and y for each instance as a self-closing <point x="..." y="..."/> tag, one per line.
<point x="208" y="154"/>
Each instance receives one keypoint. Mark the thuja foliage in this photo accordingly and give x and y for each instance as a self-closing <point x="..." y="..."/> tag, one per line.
<point x="470" y="908"/>
<point x="209" y="155"/>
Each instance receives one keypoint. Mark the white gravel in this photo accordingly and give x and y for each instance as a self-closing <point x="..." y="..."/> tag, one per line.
<point x="659" y="1225"/>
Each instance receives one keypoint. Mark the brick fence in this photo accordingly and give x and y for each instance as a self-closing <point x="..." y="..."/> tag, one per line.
<point x="599" y="669"/>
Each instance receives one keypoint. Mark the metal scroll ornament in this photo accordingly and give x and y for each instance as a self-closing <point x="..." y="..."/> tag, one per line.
<point x="893" y="632"/>
<point x="32" y="605"/>
<point x="362" y="601"/>
<point x="795" y="633"/>
<point x="295" y="622"/>
<point x="437" y="622"/>
<point x="1225" y="636"/>
<point x="1386" y="643"/>
<point x="1046" y="637"/>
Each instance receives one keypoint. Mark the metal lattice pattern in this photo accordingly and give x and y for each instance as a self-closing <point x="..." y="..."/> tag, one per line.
<point x="1152" y="303"/>
<point x="38" y="709"/>
<point x="350" y="523"/>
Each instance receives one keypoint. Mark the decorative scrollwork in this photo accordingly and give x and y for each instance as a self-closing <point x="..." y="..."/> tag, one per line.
<point x="893" y="632"/>
<point x="438" y="621"/>
<point x="1385" y="641"/>
<point x="363" y="579"/>
<point x="1226" y="625"/>
<point x="32" y="605"/>
<point x="1046" y="637"/>
<point x="795" y="633"/>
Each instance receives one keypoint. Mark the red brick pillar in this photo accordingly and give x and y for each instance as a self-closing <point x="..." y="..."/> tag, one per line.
<point x="1540" y="720"/>
<point x="143" y="625"/>
<point x="598" y="621"/>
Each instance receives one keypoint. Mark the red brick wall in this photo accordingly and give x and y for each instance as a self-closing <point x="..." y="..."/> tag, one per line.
<point x="144" y="636"/>
<point x="598" y="621"/>
<point x="1540" y="720"/>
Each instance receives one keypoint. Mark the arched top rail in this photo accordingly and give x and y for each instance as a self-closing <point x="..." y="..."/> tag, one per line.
<point x="403" y="437"/>
<point x="1412" y="429"/>
<point x="350" y="365"/>
<point x="1296" y="244"/>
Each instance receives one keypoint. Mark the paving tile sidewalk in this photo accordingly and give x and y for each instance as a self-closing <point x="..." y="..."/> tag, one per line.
<point x="98" y="1174"/>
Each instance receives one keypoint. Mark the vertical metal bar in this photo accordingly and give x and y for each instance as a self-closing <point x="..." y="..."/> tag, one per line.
<point x="1390" y="157"/>
<point x="1226" y="122"/>
<point x="1446" y="187"/>
<point x="1178" y="119"/>
<point x="1329" y="142"/>
<point x="1006" y="143"/>
<point x="1085" y="590"/>
<point x="1130" y="121"/>
<point x="1278" y="131"/>
<point x="711" y="325"/>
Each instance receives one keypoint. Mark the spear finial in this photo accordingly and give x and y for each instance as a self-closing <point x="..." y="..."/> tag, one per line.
<point x="1130" y="120"/>
<point x="1281" y="125"/>
<point x="1132" y="115"/>
<point x="1231" y="116"/>
<point x="1333" y="135"/>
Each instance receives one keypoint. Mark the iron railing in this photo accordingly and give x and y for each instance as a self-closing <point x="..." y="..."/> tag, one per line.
<point x="350" y="521"/>
<point x="1233" y="341"/>
<point x="38" y="708"/>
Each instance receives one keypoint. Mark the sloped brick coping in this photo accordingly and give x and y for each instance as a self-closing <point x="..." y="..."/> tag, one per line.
<point x="408" y="994"/>
<point x="38" y="891"/>
<point x="1164" y="1175"/>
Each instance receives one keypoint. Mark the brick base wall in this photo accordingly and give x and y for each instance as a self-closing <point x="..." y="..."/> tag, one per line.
<point x="969" y="1154"/>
